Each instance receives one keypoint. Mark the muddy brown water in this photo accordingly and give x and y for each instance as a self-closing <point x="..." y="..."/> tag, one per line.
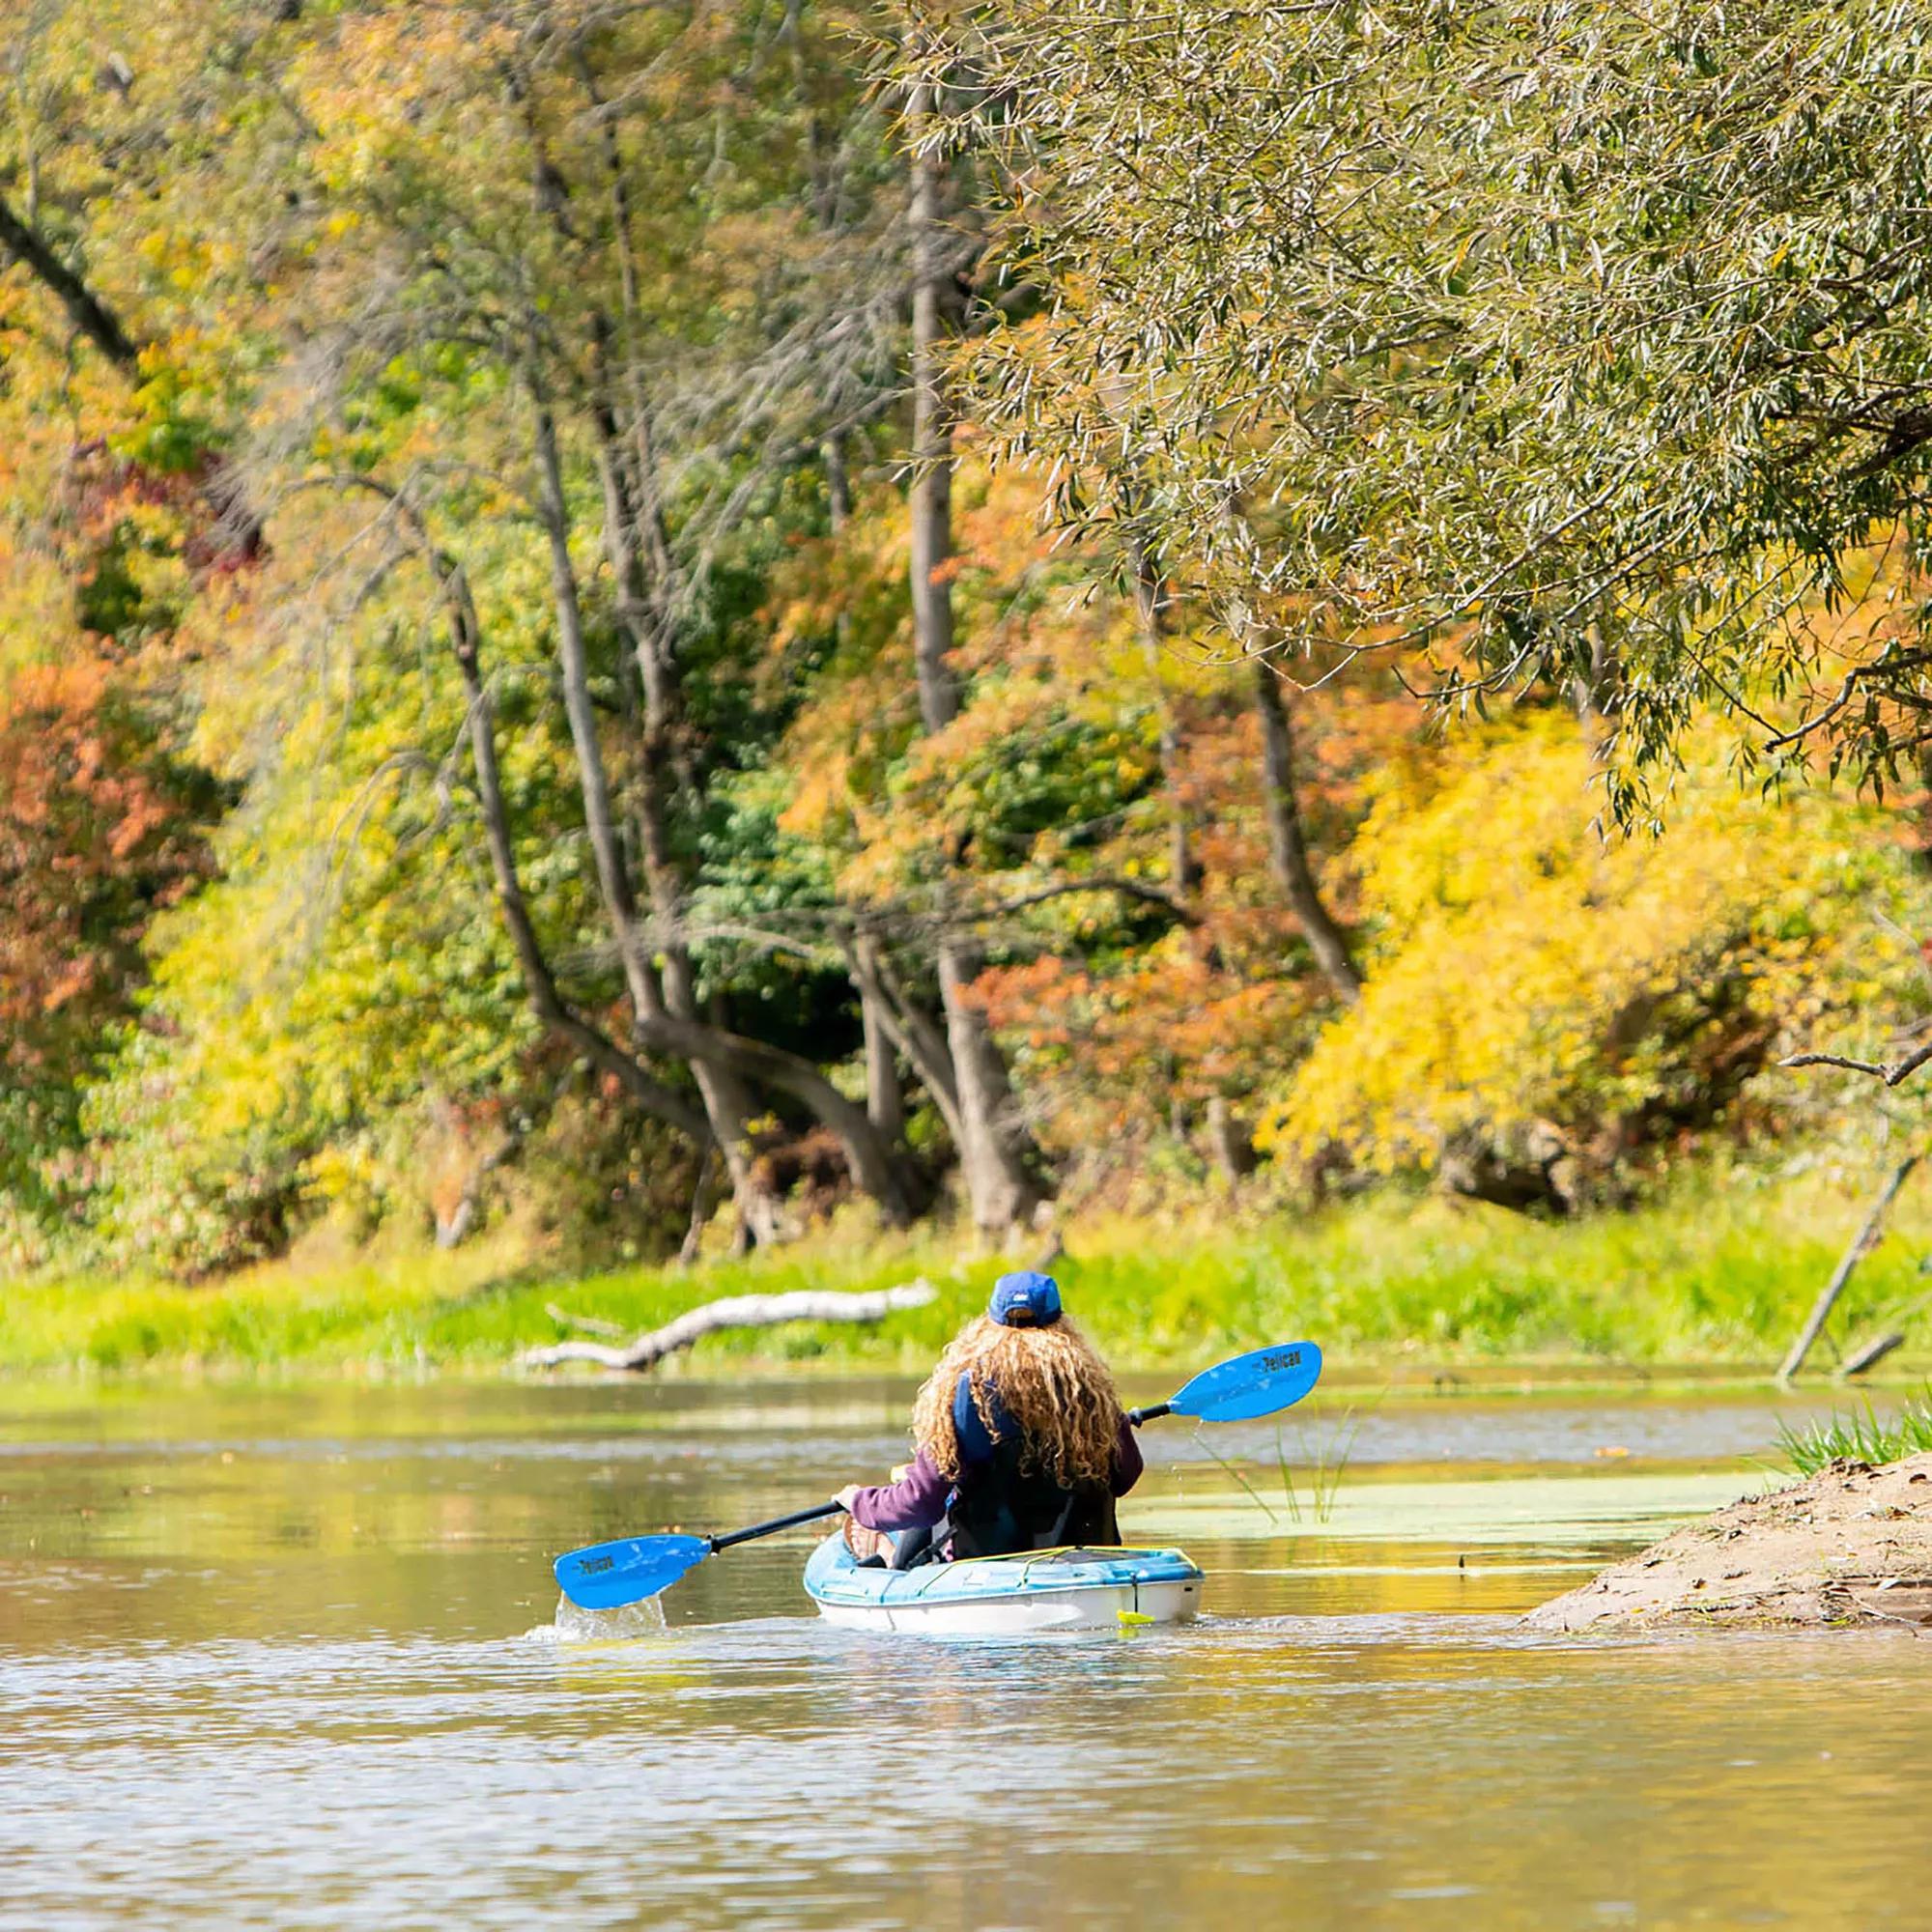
<point x="289" y="1658"/>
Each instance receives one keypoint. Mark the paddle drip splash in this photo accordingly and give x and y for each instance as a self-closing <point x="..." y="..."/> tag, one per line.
<point x="624" y="1625"/>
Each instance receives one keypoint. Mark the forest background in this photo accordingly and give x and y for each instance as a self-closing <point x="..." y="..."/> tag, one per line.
<point x="1283" y="646"/>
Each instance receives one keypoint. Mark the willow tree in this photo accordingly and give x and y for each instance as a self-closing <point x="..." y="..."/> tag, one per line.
<point x="1582" y="342"/>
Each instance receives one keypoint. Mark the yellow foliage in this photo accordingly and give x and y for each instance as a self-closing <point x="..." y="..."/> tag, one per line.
<point x="1530" y="967"/>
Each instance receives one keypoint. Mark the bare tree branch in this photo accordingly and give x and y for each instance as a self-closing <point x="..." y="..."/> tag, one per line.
<point x="1892" y="1072"/>
<point x="88" y="312"/>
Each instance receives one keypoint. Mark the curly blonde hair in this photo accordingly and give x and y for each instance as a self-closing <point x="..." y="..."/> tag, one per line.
<point x="1051" y="1382"/>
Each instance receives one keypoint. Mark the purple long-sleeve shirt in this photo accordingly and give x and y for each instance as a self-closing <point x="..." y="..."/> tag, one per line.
<point x="918" y="1500"/>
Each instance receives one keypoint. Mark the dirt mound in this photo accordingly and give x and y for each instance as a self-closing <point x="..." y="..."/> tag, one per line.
<point x="1850" y="1546"/>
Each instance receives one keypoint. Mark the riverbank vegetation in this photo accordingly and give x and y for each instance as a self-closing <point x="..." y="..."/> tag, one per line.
<point x="1863" y="1436"/>
<point x="631" y="631"/>
<point x="1709" y="1275"/>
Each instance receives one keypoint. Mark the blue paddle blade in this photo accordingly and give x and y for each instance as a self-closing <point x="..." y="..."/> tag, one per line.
<point x="610" y="1574"/>
<point x="1251" y="1385"/>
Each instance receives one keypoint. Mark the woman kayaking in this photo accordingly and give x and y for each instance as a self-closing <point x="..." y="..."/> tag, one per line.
<point x="1022" y="1443"/>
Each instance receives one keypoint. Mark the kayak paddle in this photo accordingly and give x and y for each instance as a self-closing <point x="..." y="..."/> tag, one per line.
<point x="610" y="1574"/>
<point x="607" y="1575"/>
<point x="1248" y="1386"/>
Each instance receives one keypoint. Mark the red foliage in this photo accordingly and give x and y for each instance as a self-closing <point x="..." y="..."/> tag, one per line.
<point x="97" y="833"/>
<point x="1116" y="1046"/>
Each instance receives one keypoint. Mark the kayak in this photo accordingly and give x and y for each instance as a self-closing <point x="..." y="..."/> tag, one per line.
<point x="1006" y="1596"/>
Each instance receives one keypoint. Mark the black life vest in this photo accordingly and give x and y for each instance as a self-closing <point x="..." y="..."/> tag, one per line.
<point x="1000" y="1508"/>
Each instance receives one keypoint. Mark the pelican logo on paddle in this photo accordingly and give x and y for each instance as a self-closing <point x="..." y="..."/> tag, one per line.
<point x="1274" y="1364"/>
<point x="595" y="1566"/>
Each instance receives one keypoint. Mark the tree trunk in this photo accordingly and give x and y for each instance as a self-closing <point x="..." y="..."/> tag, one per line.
<point x="1228" y="1141"/>
<point x="997" y="1153"/>
<point x="1288" y="851"/>
<point x="703" y="1201"/>
<point x="613" y="878"/>
<point x="635" y="529"/>
<point x="1863" y="1243"/>
<point x="85" y="309"/>
<point x="1595" y="689"/>
<point x="1183" y="874"/>
<point x="885" y="1098"/>
<point x="727" y="1104"/>
<point x="730" y="1106"/>
<point x="736" y="1311"/>
<point x="838" y="482"/>
<point x="912" y="1030"/>
<point x="651" y="585"/>
<point x="540" y="985"/>
<point x="930" y="498"/>
<point x="997" y="1150"/>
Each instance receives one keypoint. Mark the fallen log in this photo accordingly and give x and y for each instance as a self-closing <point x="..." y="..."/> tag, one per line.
<point x="1870" y="1354"/>
<point x="734" y="1311"/>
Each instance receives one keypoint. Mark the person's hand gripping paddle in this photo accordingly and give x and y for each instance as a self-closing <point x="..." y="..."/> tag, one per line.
<point x="607" y="1575"/>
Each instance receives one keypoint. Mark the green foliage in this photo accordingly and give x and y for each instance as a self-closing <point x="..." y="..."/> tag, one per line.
<point x="1720" y="1272"/>
<point x="341" y="985"/>
<point x="483" y="365"/>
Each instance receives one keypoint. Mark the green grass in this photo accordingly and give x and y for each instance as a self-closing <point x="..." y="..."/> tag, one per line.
<point x="1711" y="1275"/>
<point x="1326" y="1455"/>
<point x="1857" y="1438"/>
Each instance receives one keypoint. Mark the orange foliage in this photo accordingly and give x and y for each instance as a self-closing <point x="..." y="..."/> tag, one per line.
<point x="97" y="833"/>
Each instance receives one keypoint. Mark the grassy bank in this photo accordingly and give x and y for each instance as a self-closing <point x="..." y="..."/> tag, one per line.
<point x="1711" y="1275"/>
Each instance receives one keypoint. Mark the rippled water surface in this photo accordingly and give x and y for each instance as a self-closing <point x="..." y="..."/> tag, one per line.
<point x="290" y="1658"/>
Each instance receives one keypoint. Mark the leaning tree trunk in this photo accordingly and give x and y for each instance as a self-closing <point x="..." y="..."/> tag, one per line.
<point x="613" y="878"/>
<point x="1288" y="851"/>
<point x="547" y="1002"/>
<point x="910" y="1027"/>
<point x="997" y="1155"/>
<point x="874" y="1166"/>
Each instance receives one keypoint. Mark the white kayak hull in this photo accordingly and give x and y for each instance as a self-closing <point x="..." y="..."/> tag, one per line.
<point x="1043" y="1592"/>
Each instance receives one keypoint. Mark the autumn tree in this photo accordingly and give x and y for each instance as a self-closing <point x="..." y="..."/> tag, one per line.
<point x="99" y="830"/>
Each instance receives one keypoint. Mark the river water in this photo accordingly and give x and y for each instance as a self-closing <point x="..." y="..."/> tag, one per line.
<point x="290" y="1658"/>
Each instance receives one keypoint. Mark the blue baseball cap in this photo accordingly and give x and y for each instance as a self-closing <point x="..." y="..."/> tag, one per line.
<point x="1025" y="1301"/>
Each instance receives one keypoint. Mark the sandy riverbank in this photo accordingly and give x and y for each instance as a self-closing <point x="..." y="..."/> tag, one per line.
<point x="1850" y="1546"/>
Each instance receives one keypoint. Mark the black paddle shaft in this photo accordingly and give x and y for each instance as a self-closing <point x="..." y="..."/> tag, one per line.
<point x="777" y="1523"/>
<point x="1137" y="1416"/>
